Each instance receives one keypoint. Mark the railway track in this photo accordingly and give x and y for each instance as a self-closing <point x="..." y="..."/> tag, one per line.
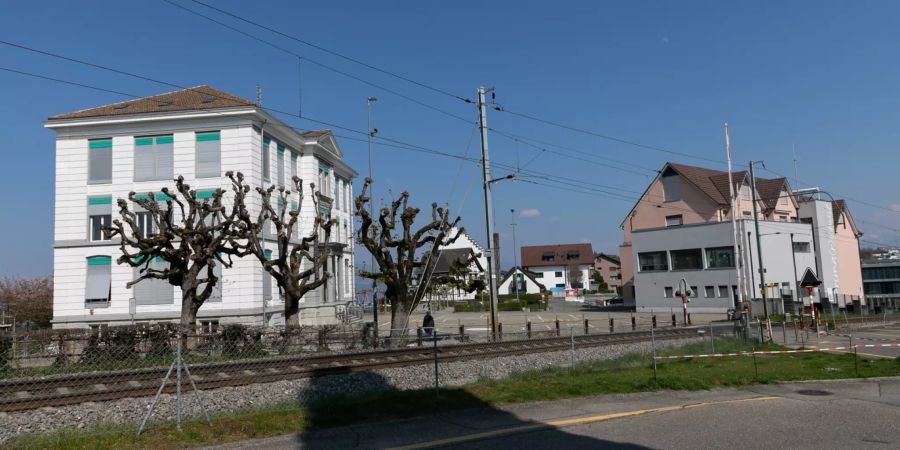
<point x="60" y="390"/>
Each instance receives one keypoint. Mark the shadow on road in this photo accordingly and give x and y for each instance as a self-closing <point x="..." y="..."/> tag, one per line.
<point x="387" y="419"/>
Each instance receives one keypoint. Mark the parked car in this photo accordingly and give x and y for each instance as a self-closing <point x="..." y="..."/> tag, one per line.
<point x="617" y="300"/>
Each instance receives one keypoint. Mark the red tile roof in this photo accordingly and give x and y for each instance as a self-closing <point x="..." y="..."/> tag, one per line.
<point x="201" y="98"/>
<point x="533" y="256"/>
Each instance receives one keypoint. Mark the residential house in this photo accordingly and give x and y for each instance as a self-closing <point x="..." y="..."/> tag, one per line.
<point x="681" y="228"/>
<point x="464" y="246"/>
<point x="140" y="145"/>
<point x="526" y="281"/>
<point x="444" y="267"/>
<point x="560" y="266"/>
<point x="610" y="268"/>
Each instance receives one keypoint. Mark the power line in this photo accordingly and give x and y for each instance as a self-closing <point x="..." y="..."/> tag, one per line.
<point x="606" y="137"/>
<point x="323" y="49"/>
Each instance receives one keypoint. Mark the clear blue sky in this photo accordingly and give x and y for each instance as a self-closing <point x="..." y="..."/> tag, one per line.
<point x="820" y="76"/>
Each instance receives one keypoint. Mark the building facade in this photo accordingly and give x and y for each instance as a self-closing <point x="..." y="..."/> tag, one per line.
<point x="610" y="268"/>
<point x="200" y="133"/>
<point x="681" y="227"/>
<point x="524" y="280"/>
<point x="882" y="284"/>
<point x="561" y="266"/>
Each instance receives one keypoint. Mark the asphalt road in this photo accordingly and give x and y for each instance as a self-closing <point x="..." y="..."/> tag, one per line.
<point x="849" y="414"/>
<point x="872" y="336"/>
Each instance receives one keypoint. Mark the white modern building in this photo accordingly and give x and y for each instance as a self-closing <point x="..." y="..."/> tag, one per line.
<point x="200" y="133"/>
<point x="461" y="250"/>
<point x="703" y="255"/>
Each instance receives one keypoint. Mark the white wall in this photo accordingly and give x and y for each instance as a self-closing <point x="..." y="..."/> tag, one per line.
<point x="240" y="151"/>
<point x="777" y="259"/>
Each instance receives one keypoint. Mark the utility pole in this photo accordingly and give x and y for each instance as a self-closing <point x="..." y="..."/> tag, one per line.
<point x="512" y="212"/>
<point x="488" y="209"/>
<point x="795" y="288"/>
<point x="737" y="300"/>
<point x="762" y="270"/>
<point x="371" y="134"/>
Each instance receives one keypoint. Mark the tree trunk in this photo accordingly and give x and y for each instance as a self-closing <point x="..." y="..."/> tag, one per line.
<point x="188" y="308"/>
<point x="291" y="310"/>
<point x="400" y="310"/>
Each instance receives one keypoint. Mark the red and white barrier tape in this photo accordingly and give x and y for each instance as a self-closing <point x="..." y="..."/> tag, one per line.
<point x="769" y="352"/>
<point x="877" y="345"/>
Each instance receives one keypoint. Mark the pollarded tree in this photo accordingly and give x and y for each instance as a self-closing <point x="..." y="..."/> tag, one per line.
<point x="297" y="268"/>
<point x="402" y="255"/>
<point x="191" y="245"/>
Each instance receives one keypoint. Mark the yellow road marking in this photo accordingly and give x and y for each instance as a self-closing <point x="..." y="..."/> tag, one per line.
<point x="568" y="422"/>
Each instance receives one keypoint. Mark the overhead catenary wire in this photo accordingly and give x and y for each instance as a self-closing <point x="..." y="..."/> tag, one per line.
<point x="326" y="50"/>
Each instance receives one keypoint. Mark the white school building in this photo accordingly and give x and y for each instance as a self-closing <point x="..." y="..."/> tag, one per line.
<point x="200" y="133"/>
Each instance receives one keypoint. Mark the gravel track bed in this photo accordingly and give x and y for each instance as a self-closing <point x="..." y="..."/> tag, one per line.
<point x="131" y="410"/>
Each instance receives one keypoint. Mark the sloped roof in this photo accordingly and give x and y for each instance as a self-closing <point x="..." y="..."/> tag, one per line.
<point x="204" y="97"/>
<point x="314" y="133"/>
<point x="769" y="190"/>
<point x="532" y="256"/>
<point x="611" y="258"/>
<point x="840" y="207"/>
<point x="451" y="256"/>
<point x="529" y="274"/>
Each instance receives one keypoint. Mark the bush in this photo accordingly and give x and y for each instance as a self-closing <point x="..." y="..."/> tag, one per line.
<point x="238" y="341"/>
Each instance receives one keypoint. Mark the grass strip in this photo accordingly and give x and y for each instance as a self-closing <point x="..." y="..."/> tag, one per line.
<point x="630" y="373"/>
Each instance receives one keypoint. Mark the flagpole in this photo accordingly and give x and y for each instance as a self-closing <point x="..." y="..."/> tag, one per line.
<point x="738" y="259"/>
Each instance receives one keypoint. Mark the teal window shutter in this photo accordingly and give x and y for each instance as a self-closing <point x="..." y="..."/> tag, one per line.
<point x="206" y="194"/>
<point x="208" y="155"/>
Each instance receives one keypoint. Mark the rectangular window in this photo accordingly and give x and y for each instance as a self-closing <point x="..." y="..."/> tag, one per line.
<point x="783" y="198"/>
<point x="539" y="275"/>
<point x="558" y="274"/>
<point x="99" y="217"/>
<point x="279" y="164"/>
<point x="747" y="214"/>
<point x="694" y="292"/>
<point x="208" y="157"/>
<point x="801" y="247"/>
<point x="672" y="187"/>
<point x="573" y="255"/>
<point x="723" y="291"/>
<point x="146" y="227"/>
<point x="674" y="221"/>
<point x="548" y="257"/>
<point x="560" y="285"/>
<point x="337" y="194"/>
<point x="264" y="158"/>
<point x="98" y="283"/>
<point x="653" y="262"/>
<point x="325" y="180"/>
<point x="782" y="218"/>
<point x="720" y="257"/>
<point x="152" y="291"/>
<point x="154" y="158"/>
<point x="745" y="192"/>
<point x="99" y="161"/>
<point x="209" y="326"/>
<point x="293" y="167"/>
<point x="669" y="292"/>
<point x="710" y="291"/>
<point x="689" y="259"/>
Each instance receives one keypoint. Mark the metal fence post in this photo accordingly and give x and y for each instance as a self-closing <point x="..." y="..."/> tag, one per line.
<point x="587" y="330"/>
<point x="689" y="319"/>
<point x="462" y="332"/>
<point x="653" y="347"/>
<point x="633" y="323"/>
<point x="500" y="330"/>
<point x="784" y="331"/>
<point x="178" y="383"/>
<point x="674" y="324"/>
<point x="436" y="382"/>
<point x="528" y="329"/>
<point x="612" y="326"/>
<point x="557" y="327"/>
<point x="654" y="320"/>
<point x="572" y="339"/>
<point x="712" y="338"/>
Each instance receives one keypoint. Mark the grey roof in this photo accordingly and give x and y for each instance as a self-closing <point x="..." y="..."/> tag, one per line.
<point x="450" y="256"/>
<point x="199" y="98"/>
